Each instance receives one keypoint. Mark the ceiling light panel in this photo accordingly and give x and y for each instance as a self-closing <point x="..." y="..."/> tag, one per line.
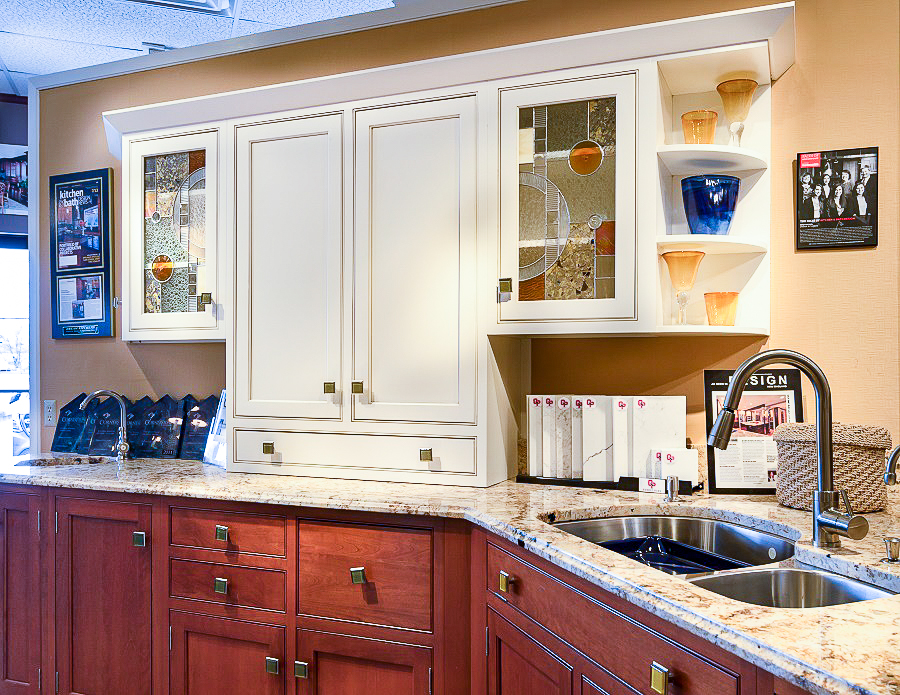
<point x="222" y="8"/>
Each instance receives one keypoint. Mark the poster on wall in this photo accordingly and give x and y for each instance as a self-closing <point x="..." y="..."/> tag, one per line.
<point x="748" y="465"/>
<point x="837" y="199"/>
<point x="81" y="260"/>
<point x="13" y="180"/>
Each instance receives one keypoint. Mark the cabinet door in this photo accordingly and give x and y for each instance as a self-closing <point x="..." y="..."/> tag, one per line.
<point x="414" y="245"/>
<point x="103" y="589"/>
<point x="519" y="665"/>
<point x="567" y="199"/>
<point x="328" y="664"/>
<point x="170" y="244"/>
<point x="288" y="268"/>
<point x="20" y="636"/>
<point x="212" y="656"/>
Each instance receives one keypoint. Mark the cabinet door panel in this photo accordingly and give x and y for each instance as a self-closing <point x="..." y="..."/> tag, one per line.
<point x="344" y="664"/>
<point x="415" y="262"/>
<point x="567" y="199"/>
<point x="103" y="590"/>
<point x="212" y="656"/>
<point x="288" y="268"/>
<point x="20" y="655"/>
<point x="520" y="665"/>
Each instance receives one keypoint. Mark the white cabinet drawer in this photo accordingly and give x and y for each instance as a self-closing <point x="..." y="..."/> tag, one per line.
<point x="361" y="451"/>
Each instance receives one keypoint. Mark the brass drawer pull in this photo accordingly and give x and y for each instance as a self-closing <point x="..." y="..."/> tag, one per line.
<point x="356" y="387"/>
<point x="220" y="585"/>
<point x="330" y="387"/>
<point x="268" y="448"/>
<point x="204" y="299"/>
<point x="358" y="575"/>
<point x="301" y="669"/>
<point x="506" y="581"/>
<point x="426" y="455"/>
<point x="272" y="665"/>
<point x="221" y="533"/>
<point x="139" y="539"/>
<point x="660" y="677"/>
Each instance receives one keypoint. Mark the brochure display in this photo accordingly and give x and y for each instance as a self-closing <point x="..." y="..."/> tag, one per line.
<point x="81" y="259"/>
<point x="748" y="465"/>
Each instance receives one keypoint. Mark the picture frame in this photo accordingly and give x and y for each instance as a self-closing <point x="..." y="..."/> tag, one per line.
<point x="81" y="255"/>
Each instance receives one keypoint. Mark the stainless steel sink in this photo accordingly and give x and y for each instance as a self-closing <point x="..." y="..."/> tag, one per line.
<point x="790" y="587"/>
<point x="746" y="546"/>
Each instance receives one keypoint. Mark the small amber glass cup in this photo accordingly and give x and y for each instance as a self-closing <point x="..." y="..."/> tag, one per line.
<point x="721" y="308"/>
<point x="699" y="126"/>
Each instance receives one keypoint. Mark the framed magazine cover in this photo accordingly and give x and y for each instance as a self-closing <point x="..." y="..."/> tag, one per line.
<point x="81" y="255"/>
<point x="837" y="199"/>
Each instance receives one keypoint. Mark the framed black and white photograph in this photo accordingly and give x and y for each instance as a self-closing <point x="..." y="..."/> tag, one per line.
<point x="837" y="199"/>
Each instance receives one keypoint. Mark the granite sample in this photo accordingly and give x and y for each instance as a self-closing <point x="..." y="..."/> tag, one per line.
<point x="849" y="649"/>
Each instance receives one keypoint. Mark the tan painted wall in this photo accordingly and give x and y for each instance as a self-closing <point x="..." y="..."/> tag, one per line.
<point x="839" y="307"/>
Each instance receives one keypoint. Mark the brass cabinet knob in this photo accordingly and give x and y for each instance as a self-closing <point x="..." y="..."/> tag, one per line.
<point x="660" y="677"/>
<point x="426" y="455"/>
<point x="139" y="539"/>
<point x="221" y="533"/>
<point x="356" y="387"/>
<point x="506" y="581"/>
<point x="358" y="575"/>
<point x="268" y="448"/>
<point x="301" y="669"/>
<point x="272" y="665"/>
<point x="220" y="585"/>
<point x="204" y="299"/>
<point x="330" y="387"/>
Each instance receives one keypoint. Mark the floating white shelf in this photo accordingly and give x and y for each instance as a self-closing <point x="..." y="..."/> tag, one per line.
<point x="711" y="330"/>
<point x="708" y="243"/>
<point x="709" y="159"/>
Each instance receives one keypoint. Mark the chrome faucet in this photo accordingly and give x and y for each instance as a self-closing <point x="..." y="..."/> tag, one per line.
<point x="829" y="522"/>
<point x="890" y="473"/>
<point x="122" y="443"/>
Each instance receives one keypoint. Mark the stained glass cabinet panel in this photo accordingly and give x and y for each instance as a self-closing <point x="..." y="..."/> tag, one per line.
<point x="170" y="250"/>
<point x="567" y="217"/>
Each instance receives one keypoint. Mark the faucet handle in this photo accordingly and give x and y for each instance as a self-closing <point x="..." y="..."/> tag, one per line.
<point x="845" y="498"/>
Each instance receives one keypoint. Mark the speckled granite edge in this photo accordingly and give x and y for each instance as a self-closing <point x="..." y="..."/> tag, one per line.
<point x="847" y="649"/>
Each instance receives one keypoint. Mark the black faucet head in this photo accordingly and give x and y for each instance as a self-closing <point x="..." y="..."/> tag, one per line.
<point x="720" y="434"/>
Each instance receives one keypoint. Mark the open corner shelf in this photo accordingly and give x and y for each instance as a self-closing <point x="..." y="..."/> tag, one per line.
<point x="712" y="330"/>
<point x="708" y="243"/>
<point x="709" y="159"/>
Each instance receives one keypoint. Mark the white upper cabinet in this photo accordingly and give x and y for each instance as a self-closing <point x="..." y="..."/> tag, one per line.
<point x="414" y="316"/>
<point x="170" y="250"/>
<point x="288" y="226"/>
<point x="567" y="200"/>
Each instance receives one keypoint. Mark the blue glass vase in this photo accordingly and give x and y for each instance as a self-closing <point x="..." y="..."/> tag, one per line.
<point x="709" y="202"/>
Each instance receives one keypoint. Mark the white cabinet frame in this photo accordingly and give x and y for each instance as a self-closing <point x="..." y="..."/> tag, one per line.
<point x="138" y="325"/>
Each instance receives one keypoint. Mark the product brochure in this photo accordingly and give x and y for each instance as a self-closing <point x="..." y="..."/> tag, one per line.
<point x="748" y="465"/>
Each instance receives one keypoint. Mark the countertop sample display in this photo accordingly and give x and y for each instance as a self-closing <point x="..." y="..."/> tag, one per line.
<point x="851" y="648"/>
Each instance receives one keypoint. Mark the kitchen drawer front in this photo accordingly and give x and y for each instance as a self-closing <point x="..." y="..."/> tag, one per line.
<point x="234" y="532"/>
<point x="245" y="587"/>
<point x="611" y="639"/>
<point x="361" y="451"/>
<point x="394" y="586"/>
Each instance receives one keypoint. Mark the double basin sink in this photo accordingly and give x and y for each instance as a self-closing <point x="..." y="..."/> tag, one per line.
<point x="724" y="558"/>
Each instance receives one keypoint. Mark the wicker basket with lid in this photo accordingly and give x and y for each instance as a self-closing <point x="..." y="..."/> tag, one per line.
<point x="858" y="464"/>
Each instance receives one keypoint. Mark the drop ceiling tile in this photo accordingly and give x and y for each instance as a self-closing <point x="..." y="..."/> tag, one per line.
<point x="5" y="86"/>
<point x="20" y="81"/>
<point x="111" y="22"/>
<point x="243" y="28"/>
<point x="40" y="56"/>
<point x="291" y="13"/>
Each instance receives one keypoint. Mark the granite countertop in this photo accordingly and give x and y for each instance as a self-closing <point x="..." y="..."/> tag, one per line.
<point x="854" y="648"/>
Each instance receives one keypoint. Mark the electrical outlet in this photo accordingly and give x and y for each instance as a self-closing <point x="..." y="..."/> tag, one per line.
<point x="49" y="413"/>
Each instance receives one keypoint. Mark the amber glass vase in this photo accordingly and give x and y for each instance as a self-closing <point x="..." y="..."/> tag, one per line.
<point x="737" y="95"/>
<point x="682" y="267"/>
